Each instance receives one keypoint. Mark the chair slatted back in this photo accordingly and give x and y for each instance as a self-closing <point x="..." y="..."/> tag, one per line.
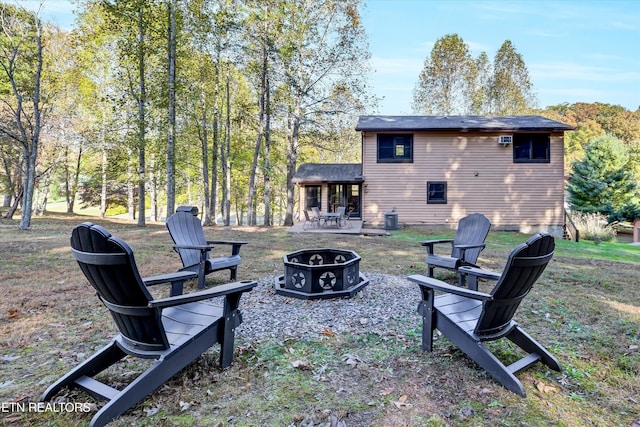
<point x="186" y="229"/>
<point x="472" y="229"/>
<point x="108" y="264"/>
<point x="524" y="266"/>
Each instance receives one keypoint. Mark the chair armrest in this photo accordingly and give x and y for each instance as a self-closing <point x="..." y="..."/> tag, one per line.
<point x="463" y="251"/>
<point x="439" y="285"/>
<point x="217" y="291"/>
<point x="476" y="245"/>
<point x="478" y="272"/>
<point x="169" y="278"/>
<point x="432" y="242"/>
<point x="196" y="247"/>
<point x="225" y="242"/>
<point x="428" y="244"/>
<point x="235" y="250"/>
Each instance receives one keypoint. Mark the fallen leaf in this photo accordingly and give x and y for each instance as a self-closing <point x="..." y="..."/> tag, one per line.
<point x="466" y="411"/>
<point x="402" y="402"/>
<point x="12" y="417"/>
<point x="544" y="388"/>
<point x="328" y="332"/>
<point x="351" y="360"/>
<point x="152" y="411"/>
<point x="13" y="312"/>
<point x="387" y="391"/>
<point x="301" y="364"/>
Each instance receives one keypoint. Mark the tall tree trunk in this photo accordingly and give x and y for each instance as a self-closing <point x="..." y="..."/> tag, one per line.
<point x="225" y="152"/>
<point x="292" y="159"/>
<point x="171" y="182"/>
<point x="153" y="189"/>
<point x="267" y="158"/>
<point x="31" y="144"/>
<point x="251" y="208"/>
<point x="103" y="187"/>
<point x="213" y="204"/>
<point x="204" y="147"/>
<point x="131" y="207"/>
<point x="141" y="121"/>
<point x="71" y="184"/>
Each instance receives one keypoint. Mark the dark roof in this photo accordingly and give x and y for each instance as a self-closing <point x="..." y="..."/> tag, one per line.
<point x="459" y="123"/>
<point x="328" y="172"/>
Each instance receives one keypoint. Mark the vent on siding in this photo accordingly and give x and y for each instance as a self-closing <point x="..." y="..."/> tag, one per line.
<point x="505" y="139"/>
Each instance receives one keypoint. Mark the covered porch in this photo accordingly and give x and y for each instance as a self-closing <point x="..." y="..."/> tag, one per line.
<point x="328" y="187"/>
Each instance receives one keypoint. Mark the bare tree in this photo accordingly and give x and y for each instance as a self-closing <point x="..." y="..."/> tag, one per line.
<point x="21" y="61"/>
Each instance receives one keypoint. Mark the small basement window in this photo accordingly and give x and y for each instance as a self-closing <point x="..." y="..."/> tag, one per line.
<point x="531" y="148"/>
<point x="437" y="192"/>
<point x="395" y="148"/>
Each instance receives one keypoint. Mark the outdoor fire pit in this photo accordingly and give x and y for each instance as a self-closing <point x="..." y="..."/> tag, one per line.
<point x="321" y="273"/>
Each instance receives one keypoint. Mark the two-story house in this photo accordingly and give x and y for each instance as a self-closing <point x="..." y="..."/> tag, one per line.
<point x="434" y="170"/>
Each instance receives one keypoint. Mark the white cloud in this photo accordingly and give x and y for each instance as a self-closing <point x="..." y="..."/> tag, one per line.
<point x="576" y="71"/>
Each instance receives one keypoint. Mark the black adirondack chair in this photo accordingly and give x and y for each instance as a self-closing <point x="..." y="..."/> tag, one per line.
<point x="465" y="246"/>
<point x="194" y="249"/>
<point x="469" y="318"/>
<point x="174" y="331"/>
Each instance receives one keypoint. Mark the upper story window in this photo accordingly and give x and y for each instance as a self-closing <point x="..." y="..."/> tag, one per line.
<point x="531" y="148"/>
<point x="395" y="148"/>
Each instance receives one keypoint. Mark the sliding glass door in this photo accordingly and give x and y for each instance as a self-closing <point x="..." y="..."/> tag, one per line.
<point x="345" y="195"/>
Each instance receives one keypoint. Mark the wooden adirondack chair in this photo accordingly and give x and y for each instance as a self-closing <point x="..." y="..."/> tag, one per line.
<point x="194" y="249"/>
<point x="465" y="246"/>
<point x="469" y="318"/>
<point x="174" y="331"/>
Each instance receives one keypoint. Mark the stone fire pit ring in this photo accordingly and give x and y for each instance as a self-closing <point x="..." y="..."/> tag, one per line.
<point x="321" y="274"/>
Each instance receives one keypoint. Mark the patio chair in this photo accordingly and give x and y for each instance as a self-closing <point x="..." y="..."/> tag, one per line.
<point x="346" y="218"/>
<point x="470" y="318"/>
<point x="465" y="246"/>
<point x="172" y="331"/>
<point x="341" y="211"/>
<point x="310" y="221"/>
<point x="194" y="249"/>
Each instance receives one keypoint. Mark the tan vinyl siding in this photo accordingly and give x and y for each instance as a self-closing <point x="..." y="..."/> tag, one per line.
<point x="481" y="177"/>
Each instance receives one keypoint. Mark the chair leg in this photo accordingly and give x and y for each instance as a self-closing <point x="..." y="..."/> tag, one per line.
<point x="482" y="356"/>
<point x="156" y="375"/>
<point x="523" y="340"/>
<point x="232" y="319"/>
<point x="98" y="362"/>
<point x="201" y="275"/>
<point x="425" y="309"/>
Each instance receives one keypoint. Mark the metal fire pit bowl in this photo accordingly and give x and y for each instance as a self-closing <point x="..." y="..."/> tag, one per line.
<point x="321" y="274"/>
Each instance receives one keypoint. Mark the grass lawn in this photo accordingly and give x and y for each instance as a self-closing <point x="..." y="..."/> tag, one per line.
<point x="585" y="309"/>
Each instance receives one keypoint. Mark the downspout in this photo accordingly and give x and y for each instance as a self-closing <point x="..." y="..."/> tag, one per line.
<point x="362" y="184"/>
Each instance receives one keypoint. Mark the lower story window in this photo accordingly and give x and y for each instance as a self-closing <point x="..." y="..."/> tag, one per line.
<point x="437" y="192"/>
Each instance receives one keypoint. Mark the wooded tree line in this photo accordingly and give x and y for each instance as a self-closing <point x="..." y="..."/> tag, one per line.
<point x="146" y="105"/>
<point x="150" y="104"/>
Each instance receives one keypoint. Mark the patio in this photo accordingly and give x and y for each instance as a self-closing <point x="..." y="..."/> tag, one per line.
<point x="356" y="227"/>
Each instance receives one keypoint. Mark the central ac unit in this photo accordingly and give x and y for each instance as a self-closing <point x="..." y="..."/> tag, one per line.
<point x="505" y="139"/>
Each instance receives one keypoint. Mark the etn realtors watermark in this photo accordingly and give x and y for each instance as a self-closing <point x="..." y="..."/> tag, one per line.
<point x="61" y="407"/>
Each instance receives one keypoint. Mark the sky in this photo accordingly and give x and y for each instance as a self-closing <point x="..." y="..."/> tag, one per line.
<point x="575" y="50"/>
